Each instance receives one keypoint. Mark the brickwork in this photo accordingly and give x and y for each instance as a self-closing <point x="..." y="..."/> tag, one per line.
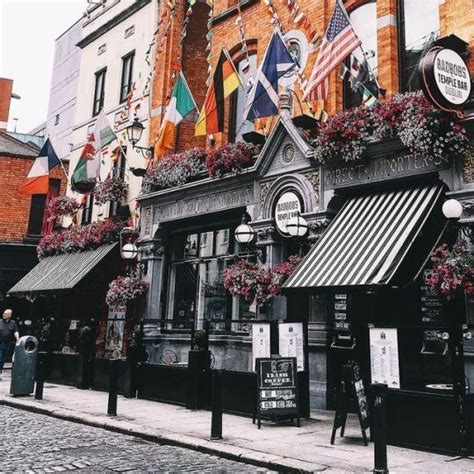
<point x="456" y="16"/>
<point x="15" y="207"/>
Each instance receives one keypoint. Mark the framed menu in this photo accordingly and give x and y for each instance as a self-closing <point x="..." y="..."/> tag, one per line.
<point x="384" y="362"/>
<point x="260" y="341"/>
<point x="431" y="304"/>
<point x="291" y="342"/>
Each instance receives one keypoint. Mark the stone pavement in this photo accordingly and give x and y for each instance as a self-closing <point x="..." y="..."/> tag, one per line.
<point x="283" y="448"/>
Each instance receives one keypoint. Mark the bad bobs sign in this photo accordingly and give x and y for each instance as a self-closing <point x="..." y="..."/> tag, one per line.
<point x="445" y="78"/>
<point x="287" y="206"/>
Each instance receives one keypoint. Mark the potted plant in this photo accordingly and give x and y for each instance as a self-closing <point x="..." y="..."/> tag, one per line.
<point x="112" y="189"/>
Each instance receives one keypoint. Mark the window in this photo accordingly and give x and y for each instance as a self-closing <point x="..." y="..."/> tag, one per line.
<point x="118" y="172"/>
<point x="419" y="28"/>
<point x="237" y="102"/>
<point x="196" y="290"/>
<point x="99" y="92"/>
<point x="56" y="119"/>
<point x="38" y="223"/>
<point x="362" y="63"/>
<point x="127" y="73"/>
<point x="87" y="212"/>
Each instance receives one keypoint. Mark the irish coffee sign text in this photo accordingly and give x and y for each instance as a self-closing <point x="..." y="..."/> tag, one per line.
<point x="383" y="168"/>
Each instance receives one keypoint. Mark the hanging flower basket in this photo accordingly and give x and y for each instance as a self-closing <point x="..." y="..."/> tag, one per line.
<point x="452" y="269"/>
<point x="62" y="206"/>
<point x="124" y="289"/>
<point x="232" y="157"/>
<point x="112" y="189"/>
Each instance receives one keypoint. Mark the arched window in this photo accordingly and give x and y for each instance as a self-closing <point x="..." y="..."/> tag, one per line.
<point x="419" y="29"/>
<point x="237" y="103"/>
<point x="362" y="63"/>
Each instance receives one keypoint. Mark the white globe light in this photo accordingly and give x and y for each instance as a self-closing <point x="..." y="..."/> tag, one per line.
<point x="297" y="226"/>
<point x="452" y="209"/>
<point x="129" y="251"/>
<point x="244" y="234"/>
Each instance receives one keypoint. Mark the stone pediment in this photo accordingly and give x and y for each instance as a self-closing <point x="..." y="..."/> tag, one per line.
<point x="285" y="151"/>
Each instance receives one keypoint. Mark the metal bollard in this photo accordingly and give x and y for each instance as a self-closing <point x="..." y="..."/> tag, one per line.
<point x="113" y="387"/>
<point x="216" y="422"/>
<point x="40" y="376"/>
<point x="380" y="429"/>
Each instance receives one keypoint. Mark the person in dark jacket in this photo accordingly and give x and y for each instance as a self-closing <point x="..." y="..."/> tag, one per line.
<point x="8" y="334"/>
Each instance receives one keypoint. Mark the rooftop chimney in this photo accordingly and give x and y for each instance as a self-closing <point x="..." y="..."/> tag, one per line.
<point x="6" y="86"/>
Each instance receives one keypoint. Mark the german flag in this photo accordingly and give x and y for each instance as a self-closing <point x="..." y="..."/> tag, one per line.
<point x="225" y="81"/>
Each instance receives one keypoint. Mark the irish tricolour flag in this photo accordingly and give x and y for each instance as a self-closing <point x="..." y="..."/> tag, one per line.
<point x="37" y="181"/>
<point x="181" y="104"/>
<point x="88" y="166"/>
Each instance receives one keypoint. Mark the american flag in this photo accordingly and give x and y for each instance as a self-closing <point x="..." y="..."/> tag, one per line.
<point x="339" y="41"/>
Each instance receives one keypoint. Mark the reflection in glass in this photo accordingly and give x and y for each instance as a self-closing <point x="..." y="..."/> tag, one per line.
<point x="207" y="239"/>
<point x="222" y="242"/>
<point x="183" y="289"/>
<point x="421" y="29"/>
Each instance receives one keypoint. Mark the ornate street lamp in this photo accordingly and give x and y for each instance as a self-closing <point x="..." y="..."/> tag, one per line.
<point x="452" y="209"/>
<point x="134" y="133"/>
<point x="128" y="249"/>
<point x="297" y="226"/>
<point x="244" y="234"/>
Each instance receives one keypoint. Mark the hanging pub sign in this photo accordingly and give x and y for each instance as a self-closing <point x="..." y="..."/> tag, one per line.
<point x="277" y="389"/>
<point x="445" y="78"/>
<point x="287" y="206"/>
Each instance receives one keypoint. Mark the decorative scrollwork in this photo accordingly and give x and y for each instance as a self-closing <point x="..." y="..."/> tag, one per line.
<point x="264" y="188"/>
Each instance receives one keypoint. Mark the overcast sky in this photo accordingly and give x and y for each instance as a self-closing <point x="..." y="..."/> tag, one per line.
<point x="28" y="29"/>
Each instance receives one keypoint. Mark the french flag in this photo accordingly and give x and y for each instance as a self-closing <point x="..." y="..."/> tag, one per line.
<point x="37" y="181"/>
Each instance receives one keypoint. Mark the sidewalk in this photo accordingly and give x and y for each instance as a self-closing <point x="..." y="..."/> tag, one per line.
<point x="284" y="448"/>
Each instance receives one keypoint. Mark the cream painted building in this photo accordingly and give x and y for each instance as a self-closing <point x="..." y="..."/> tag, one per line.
<point x="115" y="46"/>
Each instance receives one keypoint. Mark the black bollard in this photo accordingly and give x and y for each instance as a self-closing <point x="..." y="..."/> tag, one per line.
<point x="113" y="387"/>
<point x="40" y="376"/>
<point x="380" y="429"/>
<point x="216" y="423"/>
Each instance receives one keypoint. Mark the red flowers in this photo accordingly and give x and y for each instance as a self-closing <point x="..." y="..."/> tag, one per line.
<point x="124" y="289"/>
<point x="80" y="238"/>
<point x="251" y="281"/>
<point x="112" y="189"/>
<point x="452" y="268"/>
<point x="62" y="206"/>
<point x="230" y="157"/>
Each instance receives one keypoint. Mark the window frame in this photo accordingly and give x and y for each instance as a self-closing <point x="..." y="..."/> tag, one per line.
<point x="99" y="95"/>
<point x="126" y="82"/>
<point x="87" y="212"/>
<point x="118" y="171"/>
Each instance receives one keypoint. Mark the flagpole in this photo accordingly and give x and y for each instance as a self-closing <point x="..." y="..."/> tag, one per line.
<point x="382" y="91"/>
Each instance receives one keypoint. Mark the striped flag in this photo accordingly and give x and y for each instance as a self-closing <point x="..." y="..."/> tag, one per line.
<point x="225" y="81"/>
<point x="181" y="104"/>
<point x="37" y="181"/>
<point x="339" y="41"/>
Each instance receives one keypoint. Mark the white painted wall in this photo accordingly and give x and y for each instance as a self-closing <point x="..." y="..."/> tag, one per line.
<point x="116" y="46"/>
<point x="63" y="92"/>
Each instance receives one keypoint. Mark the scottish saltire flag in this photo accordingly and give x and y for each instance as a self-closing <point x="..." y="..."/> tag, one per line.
<point x="263" y="97"/>
<point x="37" y="181"/>
<point x="181" y="104"/>
<point x="339" y="41"/>
<point x="88" y="166"/>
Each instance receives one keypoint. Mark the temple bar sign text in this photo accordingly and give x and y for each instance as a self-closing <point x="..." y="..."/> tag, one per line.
<point x="379" y="169"/>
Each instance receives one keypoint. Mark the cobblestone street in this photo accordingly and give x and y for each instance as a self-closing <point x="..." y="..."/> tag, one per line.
<point x="36" y="443"/>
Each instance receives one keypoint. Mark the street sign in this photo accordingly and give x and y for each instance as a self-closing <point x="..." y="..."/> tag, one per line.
<point x="277" y="389"/>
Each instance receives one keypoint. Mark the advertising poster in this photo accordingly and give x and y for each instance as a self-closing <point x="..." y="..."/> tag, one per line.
<point x="384" y="365"/>
<point x="260" y="341"/>
<point x="114" y="337"/>
<point x="291" y="342"/>
<point x="117" y="312"/>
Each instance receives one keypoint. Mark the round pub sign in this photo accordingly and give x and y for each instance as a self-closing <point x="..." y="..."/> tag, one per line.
<point x="445" y="78"/>
<point x="287" y="206"/>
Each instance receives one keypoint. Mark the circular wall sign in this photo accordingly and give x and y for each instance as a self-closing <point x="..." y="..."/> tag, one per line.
<point x="445" y="78"/>
<point x="287" y="206"/>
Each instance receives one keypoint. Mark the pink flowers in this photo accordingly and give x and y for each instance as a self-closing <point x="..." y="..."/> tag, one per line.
<point x="62" y="206"/>
<point x="112" y="189"/>
<point x="452" y="269"/>
<point x="251" y="281"/>
<point x="80" y="238"/>
<point x="124" y="289"/>
<point x="230" y="157"/>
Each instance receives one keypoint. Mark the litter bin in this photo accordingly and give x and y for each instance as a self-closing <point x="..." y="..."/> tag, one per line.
<point x="24" y="366"/>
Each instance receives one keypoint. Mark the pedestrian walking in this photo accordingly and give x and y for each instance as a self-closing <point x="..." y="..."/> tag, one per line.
<point x="8" y="334"/>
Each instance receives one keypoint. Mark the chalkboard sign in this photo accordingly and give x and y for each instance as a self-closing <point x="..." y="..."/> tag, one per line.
<point x="351" y="387"/>
<point x="431" y="304"/>
<point x="277" y="389"/>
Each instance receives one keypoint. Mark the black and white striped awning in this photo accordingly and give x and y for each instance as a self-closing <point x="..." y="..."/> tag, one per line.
<point x="367" y="240"/>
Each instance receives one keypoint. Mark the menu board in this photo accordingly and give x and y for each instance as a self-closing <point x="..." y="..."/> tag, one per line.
<point x="431" y="305"/>
<point x="277" y="387"/>
<point x="341" y="312"/>
<point x="260" y="341"/>
<point x="291" y="342"/>
<point x="384" y="362"/>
